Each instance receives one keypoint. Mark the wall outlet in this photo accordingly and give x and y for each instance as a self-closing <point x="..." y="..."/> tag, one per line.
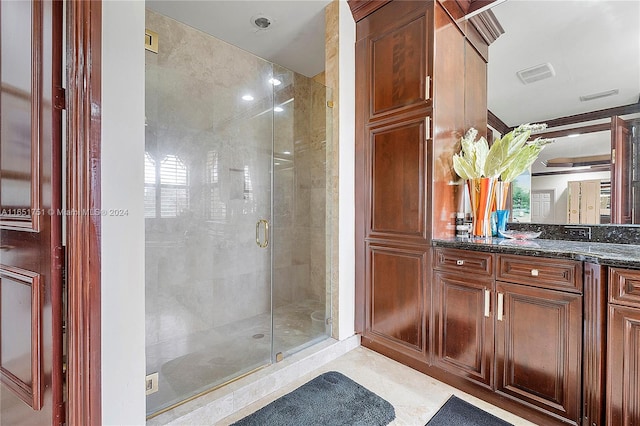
<point x="151" y="383"/>
<point x="582" y="232"/>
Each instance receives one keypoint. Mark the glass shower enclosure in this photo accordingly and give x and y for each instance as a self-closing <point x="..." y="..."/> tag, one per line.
<point x="236" y="208"/>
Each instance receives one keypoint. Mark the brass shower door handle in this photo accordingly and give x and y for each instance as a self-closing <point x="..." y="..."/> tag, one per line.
<point x="265" y="242"/>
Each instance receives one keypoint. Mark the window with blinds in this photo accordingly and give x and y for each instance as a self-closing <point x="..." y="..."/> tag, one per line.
<point x="166" y="186"/>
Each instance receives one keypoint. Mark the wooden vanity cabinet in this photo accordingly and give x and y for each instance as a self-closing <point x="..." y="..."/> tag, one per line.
<point x="623" y="348"/>
<point x="539" y="348"/>
<point x="539" y="333"/>
<point x="514" y="329"/>
<point x="463" y="326"/>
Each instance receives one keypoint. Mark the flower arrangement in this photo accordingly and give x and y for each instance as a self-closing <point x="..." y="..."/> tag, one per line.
<point x="490" y="170"/>
<point x="507" y="158"/>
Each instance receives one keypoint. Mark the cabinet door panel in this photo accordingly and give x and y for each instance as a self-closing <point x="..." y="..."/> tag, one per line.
<point x="464" y="335"/>
<point x="397" y="61"/>
<point x="623" y="366"/>
<point x="397" y="170"/>
<point x="538" y="348"/>
<point x="396" y="296"/>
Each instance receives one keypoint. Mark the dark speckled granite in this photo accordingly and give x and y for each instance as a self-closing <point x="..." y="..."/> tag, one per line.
<point x="617" y="234"/>
<point x="622" y="255"/>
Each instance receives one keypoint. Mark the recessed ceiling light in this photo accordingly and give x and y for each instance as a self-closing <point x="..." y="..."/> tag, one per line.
<point x="261" y="22"/>
<point x="573" y="135"/>
<point x="286" y="152"/>
<point x="275" y="81"/>
<point x="278" y="109"/>
<point x="247" y="97"/>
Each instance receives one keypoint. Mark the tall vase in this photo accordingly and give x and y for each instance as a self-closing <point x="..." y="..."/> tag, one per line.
<point x="502" y="193"/>
<point x="482" y="197"/>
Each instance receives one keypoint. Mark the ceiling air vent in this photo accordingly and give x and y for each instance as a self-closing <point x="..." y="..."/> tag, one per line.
<point x="599" y="95"/>
<point x="537" y="73"/>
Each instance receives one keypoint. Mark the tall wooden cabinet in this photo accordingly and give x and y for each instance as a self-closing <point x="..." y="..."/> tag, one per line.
<point x="412" y="91"/>
<point x="394" y="105"/>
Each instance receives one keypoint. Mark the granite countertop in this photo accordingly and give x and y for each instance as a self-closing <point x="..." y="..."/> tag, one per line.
<point x="622" y="255"/>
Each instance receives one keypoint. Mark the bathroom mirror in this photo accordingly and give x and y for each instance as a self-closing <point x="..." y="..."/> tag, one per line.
<point x="562" y="59"/>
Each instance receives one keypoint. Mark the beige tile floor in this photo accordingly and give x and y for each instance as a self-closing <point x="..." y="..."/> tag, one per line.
<point x="416" y="397"/>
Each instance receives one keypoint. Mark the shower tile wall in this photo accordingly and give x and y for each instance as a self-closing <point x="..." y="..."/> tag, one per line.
<point x="196" y="268"/>
<point x="300" y="193"/>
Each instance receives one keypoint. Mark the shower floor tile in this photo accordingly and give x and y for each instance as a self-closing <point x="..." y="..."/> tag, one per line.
<point x="195" y="363"/>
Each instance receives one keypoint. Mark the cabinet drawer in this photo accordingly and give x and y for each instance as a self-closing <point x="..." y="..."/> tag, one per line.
<point x="540" y="272"/>
<point x="624" y="286"/>
<point x="472" y="262"/>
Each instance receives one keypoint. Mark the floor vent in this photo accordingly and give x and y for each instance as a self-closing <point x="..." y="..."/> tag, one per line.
<point x="537" y="73"/>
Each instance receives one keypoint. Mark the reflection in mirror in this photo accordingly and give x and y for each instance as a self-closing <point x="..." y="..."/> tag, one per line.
<point x="575" y="161"/>
<point x="566" y="59"/>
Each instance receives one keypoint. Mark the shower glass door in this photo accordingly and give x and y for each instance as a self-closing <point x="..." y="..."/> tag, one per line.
<point x="301" y="216"/>
<point x="208" y="180"/>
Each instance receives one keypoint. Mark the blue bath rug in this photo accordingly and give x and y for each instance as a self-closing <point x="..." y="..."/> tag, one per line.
<point x="456" y="412"/>
<point x="330" y="399"/>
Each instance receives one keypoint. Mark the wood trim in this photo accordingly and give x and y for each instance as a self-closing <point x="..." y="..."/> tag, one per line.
<point x="497" y="124"/>
<point x="31" y="393"/>
<point x="475" y="5"/>
<point x="566" y="132"/>
<point x="594" y="343"/>
<point x="594" y="115"/>
<point x="84" y="26"/>
<point x="602" y="168"/>
<point x="487" y="25"/>
<point x="36" y="113"/>
<point x="58" y="257"/>
<point x="621" y="156"/>
<point x="362" y="8"/>
<point x="494" y="121"/>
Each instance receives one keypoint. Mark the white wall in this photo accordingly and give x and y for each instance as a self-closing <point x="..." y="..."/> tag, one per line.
<point x="559" y="184"/>
<point x="123" y="321"/>
<point x="346" y="208"/>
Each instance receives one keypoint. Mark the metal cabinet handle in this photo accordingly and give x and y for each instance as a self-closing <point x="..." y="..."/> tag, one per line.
<point x="264" y="243"/>
<point x="487" y="303"/>
<point x="427" y="88"/>
<point x="535" y="272"/>
<point x="459" y="262"/>
<point x="500" y="306"/>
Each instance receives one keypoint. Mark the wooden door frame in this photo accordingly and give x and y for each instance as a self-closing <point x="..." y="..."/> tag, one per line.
<point x="83" y="104"/>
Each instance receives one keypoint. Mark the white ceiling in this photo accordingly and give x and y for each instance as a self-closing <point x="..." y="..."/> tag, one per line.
<point x="593" y="45"/>
<point x="587" y="144"/>
<point x="294" y="40"/>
